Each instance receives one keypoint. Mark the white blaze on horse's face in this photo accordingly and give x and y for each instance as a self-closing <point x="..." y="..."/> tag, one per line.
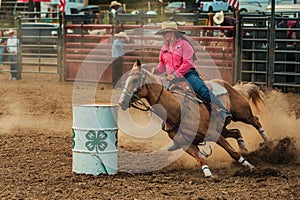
<point x="133" y="83"/>
<point x="127" y="84"/>
<point x="126" y="95"/>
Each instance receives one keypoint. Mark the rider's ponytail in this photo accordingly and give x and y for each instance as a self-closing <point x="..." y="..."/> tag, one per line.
<point x="181" y="35"/>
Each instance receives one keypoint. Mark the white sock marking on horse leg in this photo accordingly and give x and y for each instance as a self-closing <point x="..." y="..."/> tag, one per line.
<point x="241" y="143"/>
<point x="263" y="134"/>
<point x="206" y="171"/>
<point x="245" y="163"/>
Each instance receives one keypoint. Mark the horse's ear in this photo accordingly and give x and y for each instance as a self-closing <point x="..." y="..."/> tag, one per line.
<point x="138" y="64"/>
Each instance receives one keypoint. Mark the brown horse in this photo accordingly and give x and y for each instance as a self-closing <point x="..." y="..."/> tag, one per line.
<point x="189" y="120"/>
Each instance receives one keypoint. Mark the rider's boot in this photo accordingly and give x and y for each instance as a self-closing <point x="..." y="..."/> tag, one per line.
<point x="225" y="115"/>
<point x="174" y="147"/>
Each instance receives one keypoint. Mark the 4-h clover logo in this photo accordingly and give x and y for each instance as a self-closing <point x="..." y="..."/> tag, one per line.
<point x="96" y="141"/>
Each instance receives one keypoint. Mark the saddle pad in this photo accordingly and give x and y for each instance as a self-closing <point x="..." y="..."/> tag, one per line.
<point x="216" y="88"/>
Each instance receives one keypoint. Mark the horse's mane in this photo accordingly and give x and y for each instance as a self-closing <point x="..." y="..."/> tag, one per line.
<point x="251" y="92"/>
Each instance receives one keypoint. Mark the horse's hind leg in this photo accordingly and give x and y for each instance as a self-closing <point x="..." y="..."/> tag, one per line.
<point x="230" y="150"/>
<point x="244" y="114"/>
<point x="236" y="134"/>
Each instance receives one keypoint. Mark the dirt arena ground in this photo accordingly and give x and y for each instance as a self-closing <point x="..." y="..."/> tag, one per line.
<point x="36" y="152"/>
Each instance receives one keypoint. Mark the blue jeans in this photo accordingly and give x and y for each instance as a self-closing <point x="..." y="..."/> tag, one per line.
<point x="201" y="89"/>
<point x="13" y="65"/>
<point x="1" y="54"/>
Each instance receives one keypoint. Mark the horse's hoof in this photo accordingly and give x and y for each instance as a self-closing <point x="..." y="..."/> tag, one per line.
<point x="209" y="179"/>
<point x="252" y="168"/>
<point x="212" y="178"/>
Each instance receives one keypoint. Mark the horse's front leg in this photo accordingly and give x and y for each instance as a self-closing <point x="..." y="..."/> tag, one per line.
<point x="255" y="122"/>
<point x="191" y="149"/>
<point x="194" y="151"/>
<point x="248" y="118"/>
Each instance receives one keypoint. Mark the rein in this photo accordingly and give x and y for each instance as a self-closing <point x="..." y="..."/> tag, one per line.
<point x="141" y="102"/>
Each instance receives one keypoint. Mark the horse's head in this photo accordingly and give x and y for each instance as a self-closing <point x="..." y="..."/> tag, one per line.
<point x="134" y="86"/>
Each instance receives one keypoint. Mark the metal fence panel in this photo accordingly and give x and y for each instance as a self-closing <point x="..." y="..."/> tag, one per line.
<point x="39" y="44"/>
<point x="254" y="52"/>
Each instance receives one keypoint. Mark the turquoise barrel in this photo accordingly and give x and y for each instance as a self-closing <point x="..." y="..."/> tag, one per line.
<point x="95" y="139"/>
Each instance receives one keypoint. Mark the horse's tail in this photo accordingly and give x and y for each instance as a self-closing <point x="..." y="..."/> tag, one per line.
<point x="252" y="92"/>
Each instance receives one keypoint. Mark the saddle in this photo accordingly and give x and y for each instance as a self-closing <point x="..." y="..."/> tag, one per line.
<point x="180" y="84"/>
<point x="181" y="87"/>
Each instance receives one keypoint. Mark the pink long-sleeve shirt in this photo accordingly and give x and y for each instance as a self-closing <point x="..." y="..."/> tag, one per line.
<point x="177" y="62"/>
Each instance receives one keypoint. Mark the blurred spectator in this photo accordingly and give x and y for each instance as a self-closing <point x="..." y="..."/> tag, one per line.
<point x="2" y="47"/>
<point x="291" y="34"/>
<point x="117" y="51"/>
<point x="12" y="49"/>
<point x="222" y="20"/>
<point x="118" y="44"/>
<point x="48" y="16"/>
<point x="115" y="7"/>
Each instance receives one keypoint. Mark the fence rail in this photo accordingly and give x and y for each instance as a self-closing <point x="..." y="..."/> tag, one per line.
<point x="83" y="51"/>
<point x="214" y="53"/>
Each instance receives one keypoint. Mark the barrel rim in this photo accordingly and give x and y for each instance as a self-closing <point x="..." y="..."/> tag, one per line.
<point x="94" y="129"/>
<point x="96" y="105"/>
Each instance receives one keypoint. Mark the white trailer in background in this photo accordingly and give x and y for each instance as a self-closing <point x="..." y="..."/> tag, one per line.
<point x="53" y="5"/>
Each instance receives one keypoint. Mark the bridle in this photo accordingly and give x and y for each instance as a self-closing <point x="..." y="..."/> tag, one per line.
<point x="135" y="100"/>
<point x="137" y="87"/>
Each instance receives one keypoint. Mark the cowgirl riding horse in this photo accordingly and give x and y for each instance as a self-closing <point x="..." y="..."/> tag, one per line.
<point x="176" y="58"/>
